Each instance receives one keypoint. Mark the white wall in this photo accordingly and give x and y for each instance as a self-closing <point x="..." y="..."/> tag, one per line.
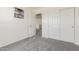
<point x="14" y="29"/>
<point x="30" y="21"/>
<point x="77" y="26"/>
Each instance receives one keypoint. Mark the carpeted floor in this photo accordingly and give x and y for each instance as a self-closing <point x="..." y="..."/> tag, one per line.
<point x="40" y="44"/>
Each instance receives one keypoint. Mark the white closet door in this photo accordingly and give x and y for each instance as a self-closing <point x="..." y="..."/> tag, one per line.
<point x="54" y="25"/>
<point x="67" y="24"/>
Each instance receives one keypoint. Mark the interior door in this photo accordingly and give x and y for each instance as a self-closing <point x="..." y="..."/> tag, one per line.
<point x="67" y="24"/>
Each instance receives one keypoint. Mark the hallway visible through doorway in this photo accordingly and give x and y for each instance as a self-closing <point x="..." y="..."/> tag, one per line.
<point x="38" y="18"/>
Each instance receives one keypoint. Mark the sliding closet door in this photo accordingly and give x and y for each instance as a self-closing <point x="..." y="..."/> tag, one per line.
<point x="54" y="23"/>
<point x="50" y="22"/>
<point x="67" y="24"/>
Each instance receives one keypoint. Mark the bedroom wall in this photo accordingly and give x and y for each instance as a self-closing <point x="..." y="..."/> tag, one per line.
<point x="77" y="25"/>
<point x="14" y="29"/>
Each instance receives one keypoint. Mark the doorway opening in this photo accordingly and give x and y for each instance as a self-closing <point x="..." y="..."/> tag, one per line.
<point x="38" y="24"/>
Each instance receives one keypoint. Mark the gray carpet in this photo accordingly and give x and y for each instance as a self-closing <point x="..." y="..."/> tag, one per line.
<point x="37" y="43"/>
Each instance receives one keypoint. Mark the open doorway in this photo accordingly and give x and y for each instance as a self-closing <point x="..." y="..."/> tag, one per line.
<point x="38" y="24"/>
